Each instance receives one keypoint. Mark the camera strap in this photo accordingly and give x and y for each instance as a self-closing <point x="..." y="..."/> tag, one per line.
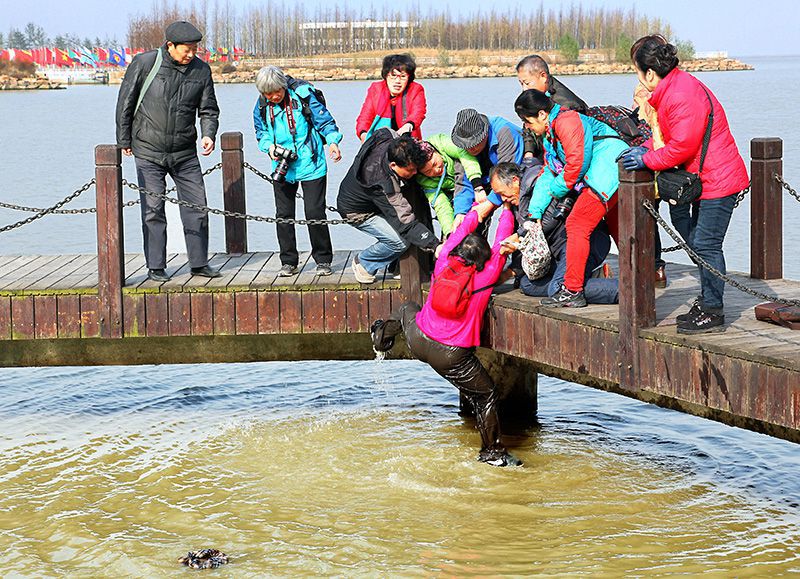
<point x="287" y="107"/>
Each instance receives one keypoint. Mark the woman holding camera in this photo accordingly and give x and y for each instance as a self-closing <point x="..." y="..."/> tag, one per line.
<point x="580" y="154"/>
<point x="683" y="104"/>
<point x="396" y="102"/>
<point x="293" y="126"/>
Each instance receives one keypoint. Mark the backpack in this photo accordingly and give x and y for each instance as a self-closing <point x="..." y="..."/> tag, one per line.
<point x="305" y="105"/>
<point x="451" y="290"/>
<point x="631" y="129"/>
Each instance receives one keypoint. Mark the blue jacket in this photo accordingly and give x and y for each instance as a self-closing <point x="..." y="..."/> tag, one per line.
<point x="310" y="149"/>
<point x="504" y="143"/>
<point x="578" y="151"/>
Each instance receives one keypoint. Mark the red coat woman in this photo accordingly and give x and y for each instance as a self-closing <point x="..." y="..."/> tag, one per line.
<point x="396" y="102"/>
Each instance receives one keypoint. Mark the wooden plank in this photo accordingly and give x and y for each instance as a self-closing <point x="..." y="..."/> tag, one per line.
<point x="269" y="312"/>
<point x="202" y="314"/>
<point x="180" y="314"/>
<point x="291" y="313"/>
<point x="21" y="277"/>
<point x="218" y="261"/>
<point x="335" y="311"/>
<point x="133" y="307"/>
<point x="248" y="272"/>
<point x="73" y="281"/>
<point x="69" y="316"/>
<point x="224" y="314"/>
<point x="38" y="277"/>
<point x="5" y="318"/>
<point x="90" y="322"/>
<point x="22" y="318"/>
<point x="306" y="278"/>
<point x="174" y="262"/>
<point x="268" y="273"/>
<point x="246" y="313"/>
<point x="7" y="258"/>
<point x="287" y="282"/>
<point x="9" y="269"/>
<point x="45" y="311"/>
<point x="136" y="271"/>
<point x="179" y="276"/>
<point x="313" y="307"/>
<point x="156" y="314"/>
<point x="357" y="311"/>
<point x="229" y="271"/>
<point x="54" y="280"/>
<point x="380" y="305"/>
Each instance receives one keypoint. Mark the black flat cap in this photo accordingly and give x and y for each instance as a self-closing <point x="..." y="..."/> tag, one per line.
<point x="470" y="129"/>
<point x="183" y="32"/>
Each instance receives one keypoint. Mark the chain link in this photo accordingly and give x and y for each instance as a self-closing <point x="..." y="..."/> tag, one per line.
<point x="705" y="265"/>
<point x="269" y="179"/>
<point x="49" y="210"/>
<point x="787" y="187"/>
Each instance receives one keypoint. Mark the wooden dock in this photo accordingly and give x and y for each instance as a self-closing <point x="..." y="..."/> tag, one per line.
<point x="87" y="309"/>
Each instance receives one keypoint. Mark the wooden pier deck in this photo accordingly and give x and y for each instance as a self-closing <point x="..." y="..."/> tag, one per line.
<point x="87" y="309"/>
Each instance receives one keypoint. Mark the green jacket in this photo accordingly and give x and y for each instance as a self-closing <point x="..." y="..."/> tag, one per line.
<point x="461" y="171"/>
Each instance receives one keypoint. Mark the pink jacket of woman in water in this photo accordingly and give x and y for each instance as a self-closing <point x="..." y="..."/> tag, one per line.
<point x="466" y="331"/>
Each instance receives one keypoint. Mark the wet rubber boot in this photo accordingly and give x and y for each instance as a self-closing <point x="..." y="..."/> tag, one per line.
<point x="383" y="333"/>
<point x="492" y="450"/>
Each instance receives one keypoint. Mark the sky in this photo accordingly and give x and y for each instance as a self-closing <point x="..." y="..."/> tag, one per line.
<point x="740" y="27"/>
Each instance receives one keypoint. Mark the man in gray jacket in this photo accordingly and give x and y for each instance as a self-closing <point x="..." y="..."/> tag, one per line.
<point x="161" y="96"/>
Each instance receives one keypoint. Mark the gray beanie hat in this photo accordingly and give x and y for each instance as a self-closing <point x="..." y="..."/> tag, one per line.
<point x="182" y="32"/>
<point x="470" y="129"/>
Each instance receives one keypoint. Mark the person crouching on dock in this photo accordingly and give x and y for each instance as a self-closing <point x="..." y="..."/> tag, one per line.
<point x="446" y="330"/>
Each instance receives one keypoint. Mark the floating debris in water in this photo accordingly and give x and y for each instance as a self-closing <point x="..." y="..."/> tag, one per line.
<point x="204" y="559"/>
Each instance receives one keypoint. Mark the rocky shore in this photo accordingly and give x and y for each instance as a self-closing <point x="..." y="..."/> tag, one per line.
<point x="30" y="83"/>
<point x="325" y="73"/>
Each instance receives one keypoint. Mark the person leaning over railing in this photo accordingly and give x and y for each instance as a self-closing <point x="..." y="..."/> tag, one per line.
<point x="379" y="195"/>
<point x="580" y="155"/>
<point x="683" y="104"/>
<point x="397" y="102"/>
<point x="293" y="126"/>
<point x="448" y="178"/>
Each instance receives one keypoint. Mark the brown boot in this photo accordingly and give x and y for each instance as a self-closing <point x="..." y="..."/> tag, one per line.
<point x="661" y="277"/>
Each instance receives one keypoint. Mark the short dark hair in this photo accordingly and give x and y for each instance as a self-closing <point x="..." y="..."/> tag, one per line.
<point x="530" y="102"/>
<point x="473" y="250"/>
<point x="536" y="63"/>
<point x="654" y="52"/>
<point x="506" y="171"/>
<point x="402" y="62"/>
<point x="405" y="151"/>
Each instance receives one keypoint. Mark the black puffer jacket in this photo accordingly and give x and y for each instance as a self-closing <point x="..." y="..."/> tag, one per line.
<point x="163" y="130"/>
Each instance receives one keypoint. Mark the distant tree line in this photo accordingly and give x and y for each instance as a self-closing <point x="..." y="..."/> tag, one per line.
<point x="34" y="36"/>
<point x="275" y="28"/>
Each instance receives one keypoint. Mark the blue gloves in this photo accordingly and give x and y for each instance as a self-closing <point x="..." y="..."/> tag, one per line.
<point x="632" y="158"/>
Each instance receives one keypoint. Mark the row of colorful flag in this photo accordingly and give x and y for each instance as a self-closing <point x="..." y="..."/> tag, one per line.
<point x="102" y="57"/>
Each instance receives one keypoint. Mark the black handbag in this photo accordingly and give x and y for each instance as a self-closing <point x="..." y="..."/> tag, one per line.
<point x="679" y="186"/>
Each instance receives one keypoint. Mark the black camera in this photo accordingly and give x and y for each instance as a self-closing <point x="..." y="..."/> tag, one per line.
<point x="284" y="156"/>
<point x="564" y="206"/>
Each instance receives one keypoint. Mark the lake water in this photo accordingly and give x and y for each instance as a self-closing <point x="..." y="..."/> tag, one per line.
<point x="341" y="468"/>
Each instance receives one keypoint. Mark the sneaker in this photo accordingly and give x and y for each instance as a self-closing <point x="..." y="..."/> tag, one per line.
<point x="159" y="275"/>
<point x="564" y="298"/>
<point x="383" y="333"/>
<point x="693" y="311"/>
<point x="361" y="273"/>
<point x="703" y="323"/>
<point x="287" y="270"/>
<point x="499" y="458"/>
<point x="323" y="269"/>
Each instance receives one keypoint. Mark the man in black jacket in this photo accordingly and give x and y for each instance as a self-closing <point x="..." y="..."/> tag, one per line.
<point x="161" y="96"/>
<point x="379" y="193"/>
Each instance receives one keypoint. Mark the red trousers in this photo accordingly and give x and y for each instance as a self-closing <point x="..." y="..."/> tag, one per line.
<point x="581" y="222"/>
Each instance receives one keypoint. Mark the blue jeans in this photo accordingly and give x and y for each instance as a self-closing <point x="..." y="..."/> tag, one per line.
<point x="712" y="219"/>
<point x="388" y="247"/>
<point x="596" y="290"/>
<point x="684" y="220"/>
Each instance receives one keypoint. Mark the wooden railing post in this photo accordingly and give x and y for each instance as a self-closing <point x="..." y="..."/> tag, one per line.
<point x="766" y="209"/>
<point x="110" y="243"/>
<point x="637" y="302"/>
<point x="411" y="275"/>
<point x="233" y="191"/>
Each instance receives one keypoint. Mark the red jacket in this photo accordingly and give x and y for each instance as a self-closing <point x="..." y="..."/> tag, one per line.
<point x="683" y="110"/>
<point x="376" y="112"/>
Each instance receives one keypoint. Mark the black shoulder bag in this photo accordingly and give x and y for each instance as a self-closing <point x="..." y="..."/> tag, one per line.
<point x="679" y="186"/>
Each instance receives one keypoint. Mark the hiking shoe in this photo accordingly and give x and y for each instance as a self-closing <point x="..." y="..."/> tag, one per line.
<point x="703" y="323"/>
<point x="287" y="270"/>
<point x="361" y="273"/>
<point x="383" y="333"/>
<point x="693" y="311"/>
<point x="564" y="298"/>
<point x="323" y="269"/>
<point x="498" y="458"/>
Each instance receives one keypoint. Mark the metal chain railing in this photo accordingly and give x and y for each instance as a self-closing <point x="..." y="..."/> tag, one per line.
<point x="705" y="265"/>
<point x="739" y="198"/>
<point x="787" y="187"/>
<point x="268" y="179"/>
<point x="49" y="210"/>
